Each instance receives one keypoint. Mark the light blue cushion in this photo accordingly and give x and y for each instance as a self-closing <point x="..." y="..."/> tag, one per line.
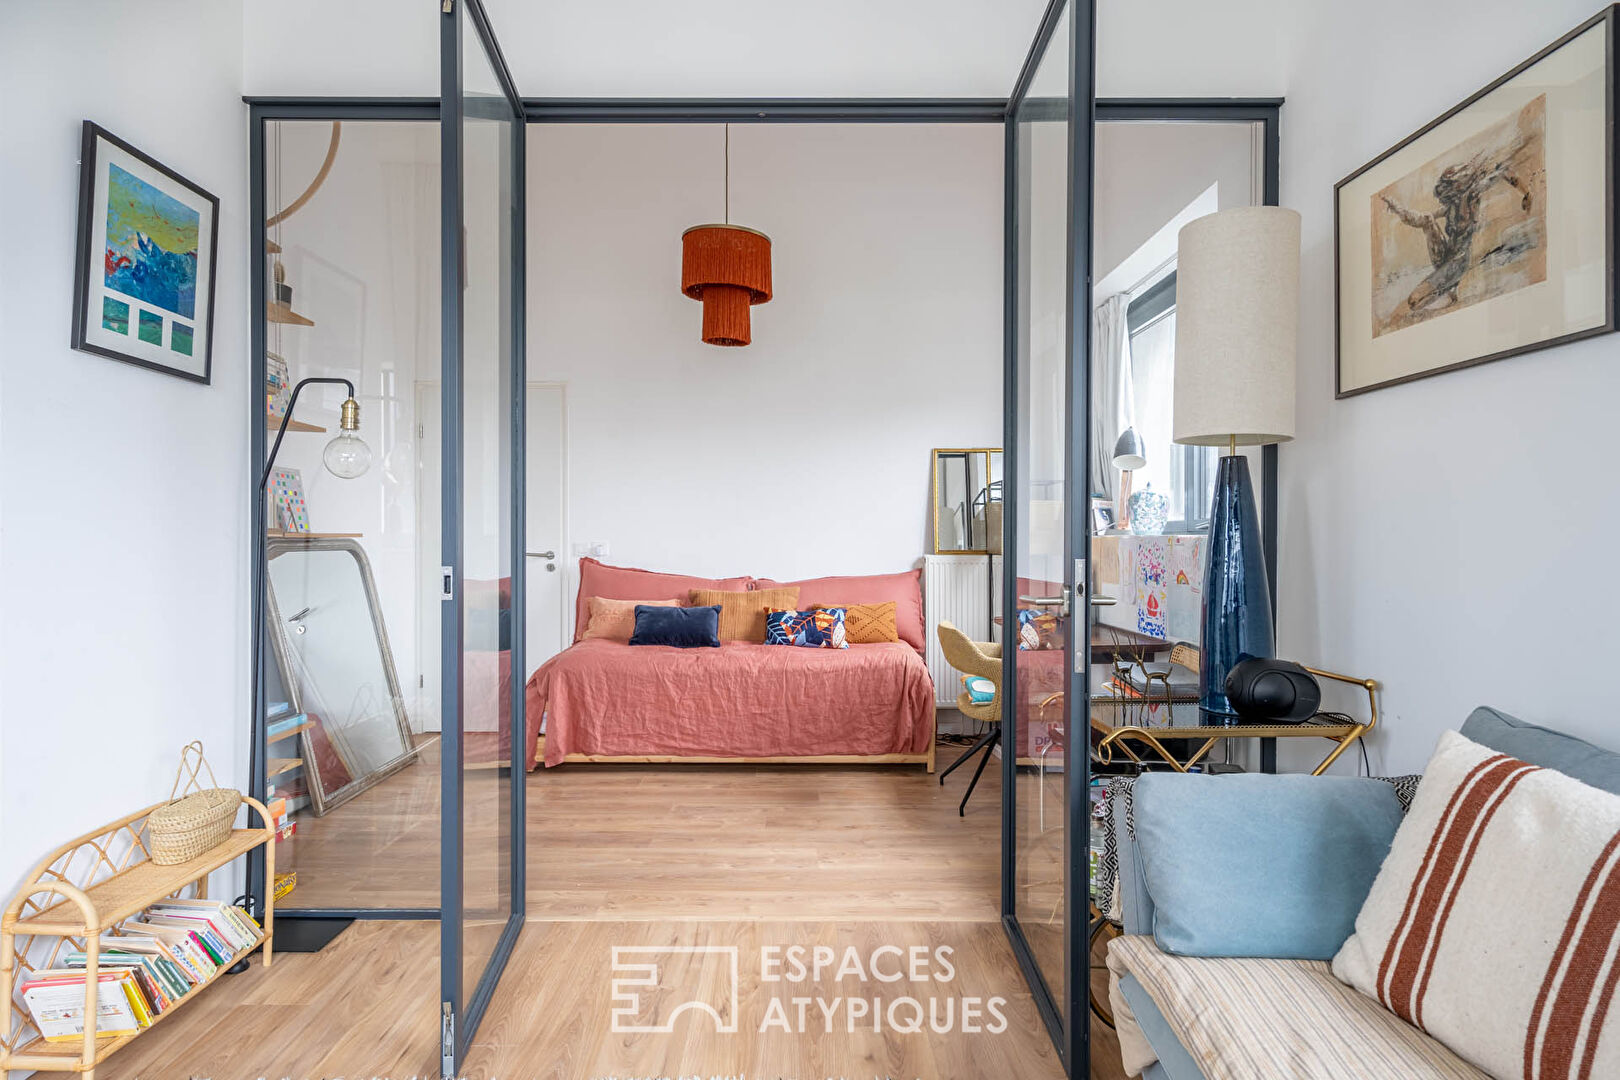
<point x="1174" y="1063"/>
<point x="1543" y="746"/>
<point x="1258" y="865"/>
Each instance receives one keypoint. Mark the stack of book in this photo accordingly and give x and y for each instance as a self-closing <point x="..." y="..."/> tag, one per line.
<point x="145" y="966"/>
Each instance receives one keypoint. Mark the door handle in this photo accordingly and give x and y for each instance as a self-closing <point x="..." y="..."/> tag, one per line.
<point x="541" y="554"/>
<point x="1060" y="602"/>
<point x="1104" y="601"/>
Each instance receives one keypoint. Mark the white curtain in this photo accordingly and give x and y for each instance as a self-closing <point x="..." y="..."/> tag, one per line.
<point x="1113" y="405"/>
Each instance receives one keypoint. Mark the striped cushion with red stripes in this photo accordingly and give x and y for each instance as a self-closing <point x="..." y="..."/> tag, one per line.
<point x="1492" y="924"/>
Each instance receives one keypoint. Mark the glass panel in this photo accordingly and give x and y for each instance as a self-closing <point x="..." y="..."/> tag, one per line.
<point x="486" y="521"/>
<point x="352" y="266"/>
<point x="1153" y="177"/>
<point x="1042" y="625"/>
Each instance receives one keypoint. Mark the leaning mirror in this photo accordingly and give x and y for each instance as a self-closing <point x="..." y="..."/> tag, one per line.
<point x="967" y="501"/>
<point x="336" y="669"/>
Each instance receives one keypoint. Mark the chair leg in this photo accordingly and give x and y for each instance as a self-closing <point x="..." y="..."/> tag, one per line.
<point x="961" y="811"/>
<point x="984" y="741"/>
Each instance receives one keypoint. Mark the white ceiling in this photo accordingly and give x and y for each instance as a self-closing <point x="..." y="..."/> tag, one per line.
<point x="768" y="48"/>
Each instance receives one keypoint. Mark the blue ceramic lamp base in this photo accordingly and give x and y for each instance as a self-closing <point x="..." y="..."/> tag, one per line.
<point x="1237" y="594"/>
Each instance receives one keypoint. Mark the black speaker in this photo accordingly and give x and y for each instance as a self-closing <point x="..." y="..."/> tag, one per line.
<point x="1267" y="691"/>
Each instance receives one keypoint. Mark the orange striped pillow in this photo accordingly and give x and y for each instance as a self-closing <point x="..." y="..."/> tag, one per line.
<point x="1491" y="923"/>
<point x="742" y="614"/>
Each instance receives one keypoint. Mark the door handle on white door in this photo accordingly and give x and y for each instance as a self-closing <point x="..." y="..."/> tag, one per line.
<point x="541" y="554"/>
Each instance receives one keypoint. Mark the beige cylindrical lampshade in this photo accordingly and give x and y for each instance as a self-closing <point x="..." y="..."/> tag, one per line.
<point x="1237" y="321"/>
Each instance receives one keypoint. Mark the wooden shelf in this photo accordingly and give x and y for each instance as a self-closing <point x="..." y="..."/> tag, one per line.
<point x="279" y="765"/>
<point x="83" y="914"/>
<point x="271" y="247"/>
<point x="130" y="891"/>
<point x="280" y="534"/>
<point x="69" y="1055"/>
<point x="271" y="423"/>
<point x="281" y="313"/>
<point x="290" y="732"/>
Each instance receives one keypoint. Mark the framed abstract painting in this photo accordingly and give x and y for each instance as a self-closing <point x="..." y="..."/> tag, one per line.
<point x="1490" y="232"/>
<point x="144" y="284"/>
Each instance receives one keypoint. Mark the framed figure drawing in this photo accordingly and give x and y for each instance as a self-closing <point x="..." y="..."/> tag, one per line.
<point x="143" y="288"/>
<point x="1490" y="232"/>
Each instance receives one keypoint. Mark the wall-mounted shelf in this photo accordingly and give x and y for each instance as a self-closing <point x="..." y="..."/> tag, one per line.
<point x="279" y="534"/>
<point x="271" y="423"/>
<point x="290" y="732"/>
<point x="279" y="765"/>
<point x="281" y="313"/>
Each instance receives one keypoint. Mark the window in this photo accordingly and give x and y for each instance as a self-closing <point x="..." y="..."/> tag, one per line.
<point x="1186" y="474"/>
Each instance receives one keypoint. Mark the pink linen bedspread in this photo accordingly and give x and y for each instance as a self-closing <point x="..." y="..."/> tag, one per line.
<point x="740" y="700"/>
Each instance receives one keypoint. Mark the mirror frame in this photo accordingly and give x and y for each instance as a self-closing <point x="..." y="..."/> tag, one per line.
<point x="321" y="800"/>
<point x="934" y="496"/>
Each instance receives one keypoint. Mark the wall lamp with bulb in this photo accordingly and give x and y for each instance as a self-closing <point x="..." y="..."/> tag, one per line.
<point x="347" y="456"/>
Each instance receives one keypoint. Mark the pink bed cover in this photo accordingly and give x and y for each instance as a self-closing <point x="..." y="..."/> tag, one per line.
<point x="740" y="700"/>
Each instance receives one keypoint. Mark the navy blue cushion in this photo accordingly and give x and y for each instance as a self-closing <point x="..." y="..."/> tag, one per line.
<point x="682" y="627"/>
<point x="1258" y="865"/>
<point x="1543" y="746"/>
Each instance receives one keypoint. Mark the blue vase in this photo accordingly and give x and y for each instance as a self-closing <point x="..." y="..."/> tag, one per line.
<point x="1237" y="595"/>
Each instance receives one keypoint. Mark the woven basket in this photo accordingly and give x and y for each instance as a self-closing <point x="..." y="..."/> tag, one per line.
<point x="195" y="820"/>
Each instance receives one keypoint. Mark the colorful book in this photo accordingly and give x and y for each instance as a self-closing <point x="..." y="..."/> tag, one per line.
<point x="55" y="1000"/>
<point x="229" y="921"/>
<point x="219" y="950"/>
<point x="199" y="957"/>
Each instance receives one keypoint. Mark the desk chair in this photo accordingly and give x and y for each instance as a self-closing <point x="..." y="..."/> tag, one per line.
<point x="981" y="658"/>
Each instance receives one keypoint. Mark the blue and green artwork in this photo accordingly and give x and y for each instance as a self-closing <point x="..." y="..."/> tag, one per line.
<point x="151" y="330"/>
<point x="114" y="315"/>
<point x="180" y="338"/>
<point x="151" y="246"/>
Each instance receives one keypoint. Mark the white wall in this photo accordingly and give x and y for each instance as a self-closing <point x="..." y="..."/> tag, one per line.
<point x="838" y="48"/>
<point x="124" y="493"/>
<point x="806" y="452"/>
<point x="1448" y="537"/>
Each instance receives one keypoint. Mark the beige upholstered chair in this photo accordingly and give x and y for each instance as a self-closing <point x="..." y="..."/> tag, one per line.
<point x="981" y="658"/>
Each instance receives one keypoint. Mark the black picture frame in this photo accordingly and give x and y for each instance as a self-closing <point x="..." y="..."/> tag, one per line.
<point x="93" y="136"/>
<point x="1608" y="18"/>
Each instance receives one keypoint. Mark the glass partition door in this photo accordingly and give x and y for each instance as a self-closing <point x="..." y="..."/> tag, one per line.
<point x="481" y="122"/>
<point x="1045" y="683"/>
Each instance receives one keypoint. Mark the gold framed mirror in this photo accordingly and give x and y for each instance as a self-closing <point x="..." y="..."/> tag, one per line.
<point x="966" y="489"/>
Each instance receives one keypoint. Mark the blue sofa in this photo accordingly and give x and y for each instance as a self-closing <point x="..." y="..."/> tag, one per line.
<point x="1136" y="1007"/>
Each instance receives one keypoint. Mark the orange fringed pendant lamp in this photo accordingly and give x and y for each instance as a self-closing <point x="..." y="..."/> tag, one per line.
<point x="728" y="267"/>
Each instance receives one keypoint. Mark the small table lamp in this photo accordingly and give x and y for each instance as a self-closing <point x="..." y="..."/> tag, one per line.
<point x="1237" y="323"/>
<point x="1128" y="457"/>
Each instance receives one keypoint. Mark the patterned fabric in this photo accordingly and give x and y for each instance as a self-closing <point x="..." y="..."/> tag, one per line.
<point x="1039" y="629"/>
<point x="1493" y="923"/>
<point x="822" y="628"/>
<point x="1244" y="1019"/>
<point x="742" y="614"/>
<point x="866" y="624"/>
<point x="1405" y="788"/>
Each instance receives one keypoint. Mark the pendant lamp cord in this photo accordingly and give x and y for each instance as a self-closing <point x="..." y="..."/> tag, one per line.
<point x="728" y="174"/>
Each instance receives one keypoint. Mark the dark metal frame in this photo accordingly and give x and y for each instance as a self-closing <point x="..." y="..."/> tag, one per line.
<point x="460" y="1013"/>
<point x="1071" y="1040"/>
<point x="1609" y="17"/>
<point x="1067" y="1020"/>
<point x="83" y="259"/>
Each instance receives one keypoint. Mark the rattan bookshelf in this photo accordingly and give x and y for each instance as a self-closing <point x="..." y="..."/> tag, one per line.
<point x="119" y="880"/>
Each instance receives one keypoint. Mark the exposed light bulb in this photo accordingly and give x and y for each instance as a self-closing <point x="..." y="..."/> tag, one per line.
<point x="347" y="456"/>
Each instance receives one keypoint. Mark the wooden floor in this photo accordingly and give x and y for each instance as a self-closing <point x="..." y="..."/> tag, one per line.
<point x="685" y="856"/>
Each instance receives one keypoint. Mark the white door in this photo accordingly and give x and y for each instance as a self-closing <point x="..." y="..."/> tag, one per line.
<point x="545" y="471"/>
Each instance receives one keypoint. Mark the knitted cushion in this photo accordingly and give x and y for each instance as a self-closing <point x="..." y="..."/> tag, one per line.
<point x="867" y="624"/>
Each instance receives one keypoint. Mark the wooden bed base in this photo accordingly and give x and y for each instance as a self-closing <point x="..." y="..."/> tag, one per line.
<point x="926" y="759"/>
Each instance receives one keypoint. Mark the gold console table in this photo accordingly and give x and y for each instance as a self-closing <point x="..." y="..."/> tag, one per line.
<point x="1341" y="732"/>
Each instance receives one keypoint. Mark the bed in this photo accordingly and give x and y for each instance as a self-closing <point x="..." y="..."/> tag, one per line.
<point x="604" y="701"/>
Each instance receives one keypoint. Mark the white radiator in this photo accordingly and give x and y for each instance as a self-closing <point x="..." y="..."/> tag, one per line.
<point x="958" y="589"/>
